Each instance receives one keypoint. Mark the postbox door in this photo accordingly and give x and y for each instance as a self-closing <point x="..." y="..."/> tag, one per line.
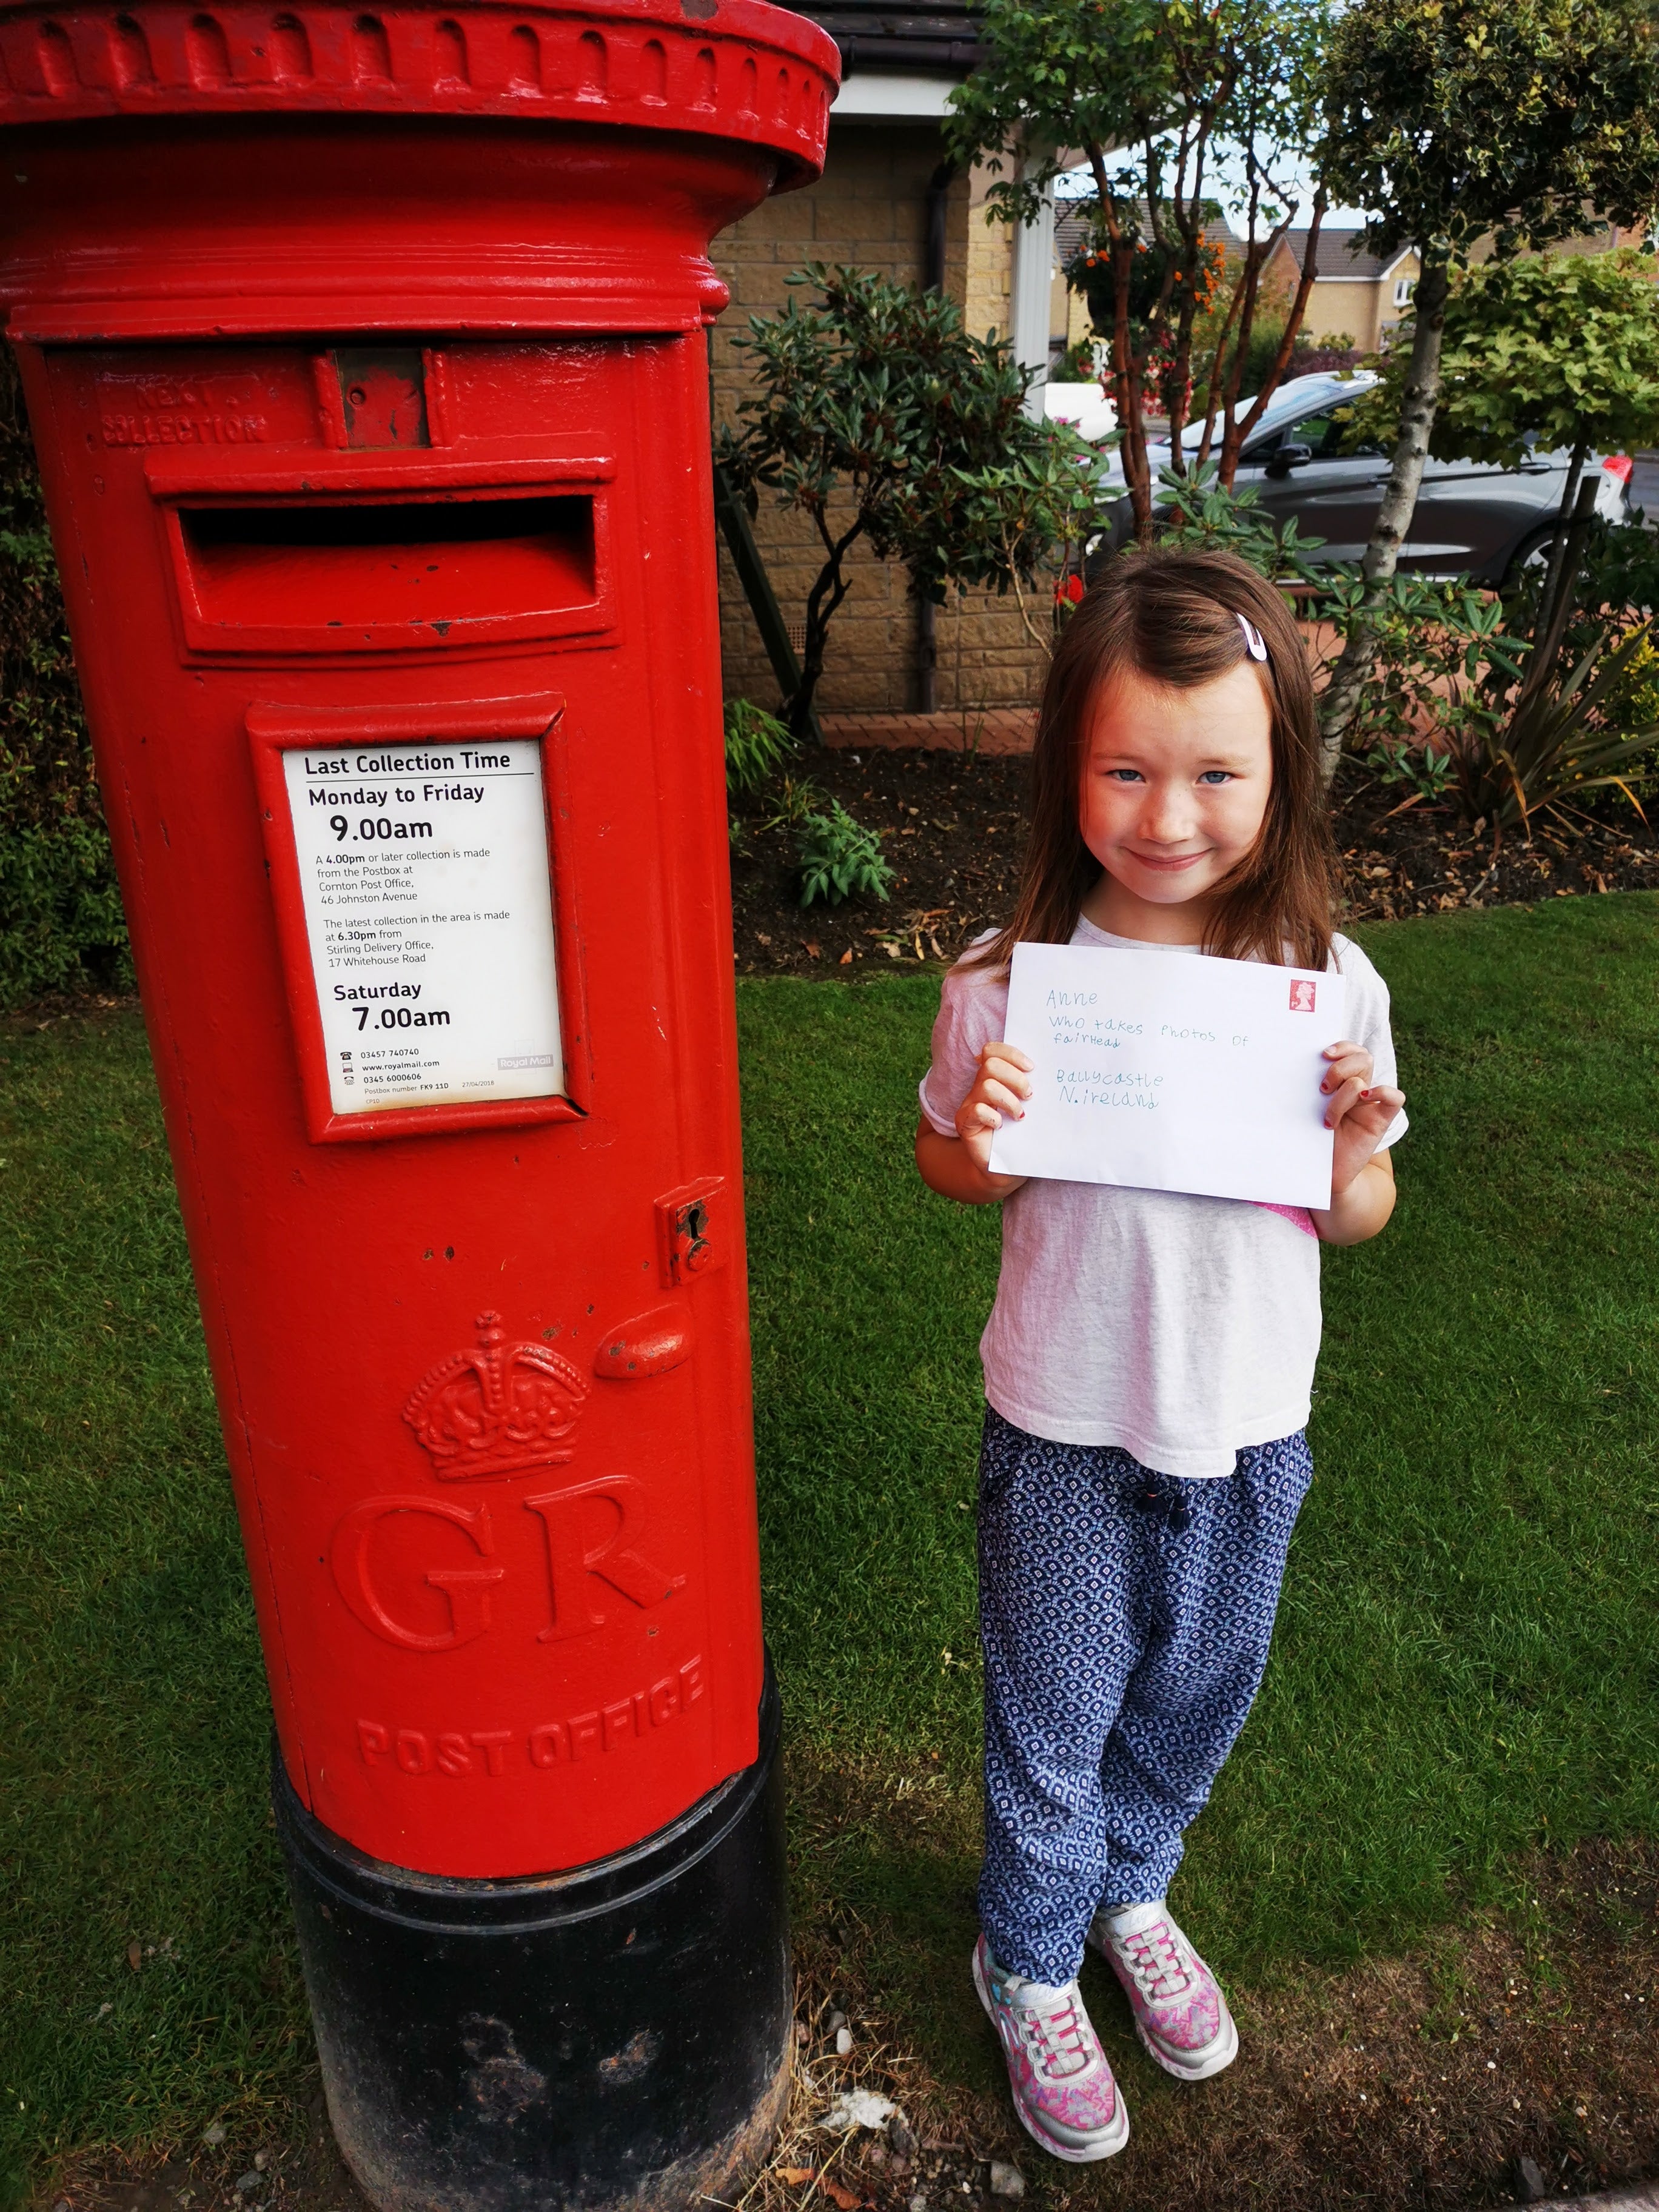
<point x="480" y="1353"/>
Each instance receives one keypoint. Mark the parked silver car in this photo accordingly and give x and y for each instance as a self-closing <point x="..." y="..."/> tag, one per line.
<point x="1472" y="518"/>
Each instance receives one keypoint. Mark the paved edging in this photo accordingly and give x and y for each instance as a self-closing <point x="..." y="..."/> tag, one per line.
<point x="992" y="730"/>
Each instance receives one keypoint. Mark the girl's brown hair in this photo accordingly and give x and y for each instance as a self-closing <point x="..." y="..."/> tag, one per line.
<point x="1172" y="616"/>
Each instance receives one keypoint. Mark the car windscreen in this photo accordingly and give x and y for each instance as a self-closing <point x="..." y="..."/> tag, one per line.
<point x="1302" y="396"/>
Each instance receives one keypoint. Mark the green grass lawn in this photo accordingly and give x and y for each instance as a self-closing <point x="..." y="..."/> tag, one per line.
<point x="1465" y="1665"/>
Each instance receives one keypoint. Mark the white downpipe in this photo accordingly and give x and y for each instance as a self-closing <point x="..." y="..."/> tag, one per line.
<point x="1034" y="268"/>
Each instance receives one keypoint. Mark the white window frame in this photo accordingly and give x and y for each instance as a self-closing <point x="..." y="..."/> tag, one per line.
<point x="1031" y="285"/>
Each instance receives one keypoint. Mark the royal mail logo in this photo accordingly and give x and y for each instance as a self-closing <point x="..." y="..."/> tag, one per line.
<point x="1302" y="996"/>
<point x="498" y="1410"/>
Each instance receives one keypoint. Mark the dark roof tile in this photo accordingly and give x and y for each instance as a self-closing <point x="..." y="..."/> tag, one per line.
<point x="1342" y="254"/>
<point x="942" y="39"/>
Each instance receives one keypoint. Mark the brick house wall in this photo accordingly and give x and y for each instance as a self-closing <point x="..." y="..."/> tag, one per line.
<point x="1352" y="295"/>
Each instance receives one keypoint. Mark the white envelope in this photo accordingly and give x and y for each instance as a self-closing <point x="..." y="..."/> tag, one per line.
<point x="1172" y="1071"/>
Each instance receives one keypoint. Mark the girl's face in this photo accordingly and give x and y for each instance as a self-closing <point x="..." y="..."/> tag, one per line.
<point x="1175" y="792"/>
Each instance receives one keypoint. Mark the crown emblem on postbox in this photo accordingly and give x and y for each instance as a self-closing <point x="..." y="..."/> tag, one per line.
<point x="497" y="1410"/>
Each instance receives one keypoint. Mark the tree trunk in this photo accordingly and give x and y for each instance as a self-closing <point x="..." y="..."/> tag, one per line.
<point x="1190" y="224"/>
<point x="1129" y="388"/>
<point x="827" y="593"/>
<point x="1394" y="517"/>
<point x="1543" y="619"/>
<point x="1557" y="610"/>
<point x="1213" y="381"/>
<point x="1126" y="378"/>
<point x="1235" y="433"/>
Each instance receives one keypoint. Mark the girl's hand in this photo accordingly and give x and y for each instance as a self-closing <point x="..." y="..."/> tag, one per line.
<point x="1359" y="1110"/>
<point x="1001" y="1087"/>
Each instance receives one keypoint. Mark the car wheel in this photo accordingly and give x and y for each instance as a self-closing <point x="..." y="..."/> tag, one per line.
<point x="1532" y="553"/>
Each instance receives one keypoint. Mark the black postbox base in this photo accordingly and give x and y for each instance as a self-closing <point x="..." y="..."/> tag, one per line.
<point x="617" y="2035"/>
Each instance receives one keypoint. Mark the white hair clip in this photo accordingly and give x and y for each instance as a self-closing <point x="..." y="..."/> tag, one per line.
<point x="1253" y="644"/>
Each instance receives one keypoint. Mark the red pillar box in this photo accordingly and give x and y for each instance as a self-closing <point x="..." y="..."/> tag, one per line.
<point x="365" y="357"/>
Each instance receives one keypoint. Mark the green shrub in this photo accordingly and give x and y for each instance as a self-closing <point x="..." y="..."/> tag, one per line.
<point x="61" y="923"/>
<point x="840" y="859"/>
<point x="1195" y="510"/>
<point x="1424" y="771"/>
<point x="61" y="928"/>
<point x="1634" y="702"/>
<point x="798" y="801"/>
<point x="756" y="745"/>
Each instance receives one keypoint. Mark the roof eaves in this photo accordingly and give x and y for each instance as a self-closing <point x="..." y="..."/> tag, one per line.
<point x="872" y="34"/>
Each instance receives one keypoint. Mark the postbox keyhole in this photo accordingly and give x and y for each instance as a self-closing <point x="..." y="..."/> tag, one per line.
<point x="691" y="1230"/>
<point x="383" y="395"/>
<point x="694" y="1233"/>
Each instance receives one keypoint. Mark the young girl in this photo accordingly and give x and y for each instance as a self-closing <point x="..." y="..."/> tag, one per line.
<point x="1148" y="1358"/>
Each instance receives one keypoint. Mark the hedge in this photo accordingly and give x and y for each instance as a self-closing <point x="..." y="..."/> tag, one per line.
<point x="61" y="928"/>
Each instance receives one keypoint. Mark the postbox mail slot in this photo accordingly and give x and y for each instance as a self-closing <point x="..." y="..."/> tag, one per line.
<point x="380" y="573"/>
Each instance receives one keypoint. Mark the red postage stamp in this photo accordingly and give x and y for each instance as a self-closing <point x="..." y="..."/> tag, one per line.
<point x="1302" y="996"/>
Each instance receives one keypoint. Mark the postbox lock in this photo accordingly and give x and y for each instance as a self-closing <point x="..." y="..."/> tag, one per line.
<point x="691" y="1237"/>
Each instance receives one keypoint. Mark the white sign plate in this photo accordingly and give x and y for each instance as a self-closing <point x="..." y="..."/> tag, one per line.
<point x="424" y="869"/>
<point x="1168" y="1071"/>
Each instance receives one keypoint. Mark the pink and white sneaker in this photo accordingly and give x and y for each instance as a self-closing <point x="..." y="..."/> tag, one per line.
<point x="1181" y="2015"/>
<point x="1063" y="2088"/>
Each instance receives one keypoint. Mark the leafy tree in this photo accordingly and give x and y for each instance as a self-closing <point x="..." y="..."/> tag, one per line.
<point x="1092" y="272"/>
<point x="1275" y="124"/>
<point x="1153" y="93"/>
<point x="1556" y="351"/>
<point x="1460" y="120"/>
<point x="880" y="417"/>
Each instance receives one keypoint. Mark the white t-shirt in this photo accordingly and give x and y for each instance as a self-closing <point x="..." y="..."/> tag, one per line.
<point x="1180" y="1328"/>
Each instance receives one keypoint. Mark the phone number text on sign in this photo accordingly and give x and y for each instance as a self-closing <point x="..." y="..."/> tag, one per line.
<point x="429" y="912"/>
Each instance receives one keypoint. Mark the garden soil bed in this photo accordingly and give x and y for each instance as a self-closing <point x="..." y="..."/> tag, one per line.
<point x="1415" y="2084"/>
<point x="953" y="828"/>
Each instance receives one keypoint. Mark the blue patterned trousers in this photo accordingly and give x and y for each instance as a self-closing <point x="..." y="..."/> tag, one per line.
<point x="1125" y="1618"/>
